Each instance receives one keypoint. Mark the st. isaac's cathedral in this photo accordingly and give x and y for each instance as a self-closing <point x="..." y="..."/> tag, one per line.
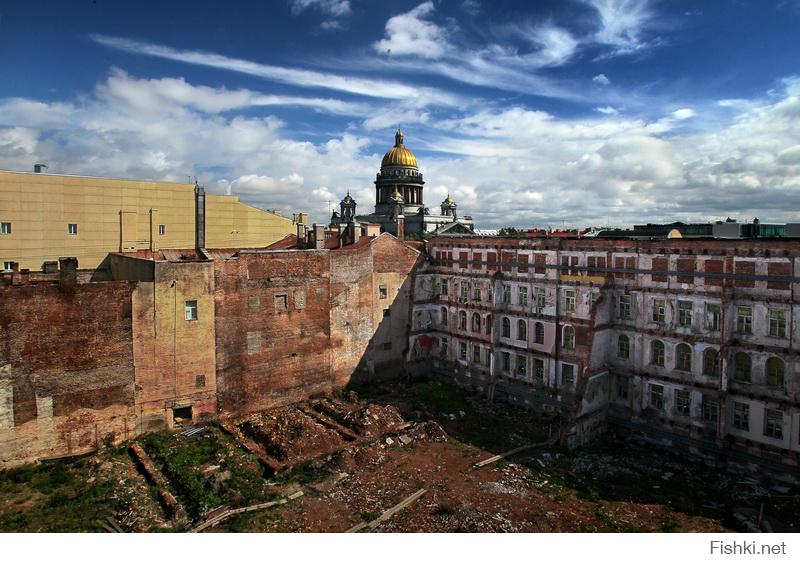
<point x="399" y="192"/>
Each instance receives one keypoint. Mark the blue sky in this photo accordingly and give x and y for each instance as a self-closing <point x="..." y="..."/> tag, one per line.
<point x="574" y="112"/>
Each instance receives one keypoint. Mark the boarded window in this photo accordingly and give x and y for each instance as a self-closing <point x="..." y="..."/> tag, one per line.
<point x="507" y="259"/>
<point x="660" y="267"/>
<point x="491" y="259"/>
<point x="299" y="299"/>
<point x="714" y="267"/>
<point x="254" y="303"/>
<point x="477" y="258"/>
<point x="463" y="258"/>
<point x="744" y="268"/>
<point x="281" y="303"/>
<point x="200" y="380"/>
<point x="539" y="261"/>
<point x="522" y="263"/>
<point x="630" y="264"/>
<point x="254" y="342"/>
<point x="779" y="269"/>
<point x="686" y="265"/>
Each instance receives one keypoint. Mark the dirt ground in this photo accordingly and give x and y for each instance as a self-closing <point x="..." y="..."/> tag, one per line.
<point x="358" y="454"/>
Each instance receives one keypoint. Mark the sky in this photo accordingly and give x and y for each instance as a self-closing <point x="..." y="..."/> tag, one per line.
<point x="532" y="113"/>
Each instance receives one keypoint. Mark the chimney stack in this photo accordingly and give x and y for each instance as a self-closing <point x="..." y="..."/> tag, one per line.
<point x="68" y="270"/>
<point x="401" y="227"/>
<point x="355" y="232"/>
<point x="301" y="235"/>
<point x="319" y="236"/>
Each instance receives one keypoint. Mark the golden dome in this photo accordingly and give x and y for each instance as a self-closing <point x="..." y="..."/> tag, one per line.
<point x="399" y="155"/>
<point x="449" y="199"/>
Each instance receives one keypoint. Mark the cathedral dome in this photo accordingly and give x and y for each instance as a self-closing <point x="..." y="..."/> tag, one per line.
<point x="399" y="155"/>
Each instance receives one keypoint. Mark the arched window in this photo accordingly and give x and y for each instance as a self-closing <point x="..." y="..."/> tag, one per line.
<point x="683" y="357"/>
<point x="443" y="316"/>
<point x="623" y="347"/>
<point x="476" y="322"/>
<point x="742" y="366"/>
<point x="711" y="362"/>
<point x="776" y="370"/>
<point x="462" y="320"/>
<point x="522" y="330"/>
<point x="569" y="337"/>
<point x="657" y="353"/>
<point x="538" y="333"/>
<point x="506" y="328"/>
<point x="488" y="324"/>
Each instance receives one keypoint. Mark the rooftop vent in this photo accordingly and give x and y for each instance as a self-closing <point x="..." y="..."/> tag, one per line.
<point x="40" y="168"/>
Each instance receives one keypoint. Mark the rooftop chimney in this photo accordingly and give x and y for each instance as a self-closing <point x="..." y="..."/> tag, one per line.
<point x="355" y="232"/>
<point x="401" y="227"/>
<point x="68" y="270"/>
<point x="319" y="236"/>
<point x="40" y="168"/>
<point x="301" y="235"/>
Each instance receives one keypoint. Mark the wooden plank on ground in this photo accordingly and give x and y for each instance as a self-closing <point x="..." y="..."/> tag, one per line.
<point x="510" y="453"/>
<point x="387" y="514"/>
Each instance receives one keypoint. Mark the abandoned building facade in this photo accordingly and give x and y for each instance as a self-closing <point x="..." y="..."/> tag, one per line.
<point x="690" y="344"/>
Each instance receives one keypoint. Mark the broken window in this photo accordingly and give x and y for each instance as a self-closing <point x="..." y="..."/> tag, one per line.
<point x="741" y="416"/>
<point x="685" y="313"/>
<point x="505" y="359"/>
<point x="383" y="293"/>
<point x="683" y="402"/>
<point x="773" y="424"/>
<point x="281" y="303"/>
<point x="487" y="323"/>
<point x="744" y="320"/>
<point x="656" y="396"/>
<point x="443" y="286"/>
<point x="464" y="286"/>
<point x="443" y="316"/>
<point x="200" y="380"/>
<point x="776" y="371"/>
<point x="522" y="330"/>
<point x="538" y="369"/>
<point x="522" y="366"/>
<point x="569" y="337"/>
<point x="181" y="416"/>
<point x="506" y="293"/>
<point x="476" y="354"/>
<point x="710" y="408"/>
<point x="657" y="353"/>
<point x="777" y="323"/>
<point x="506" y="331"/>
<point x="742" y="367"/>
<point x="623" y="347"/>
<point x="443" y="348"/>
<point x="190" y="310"/>
<point x="712" y="316"/>
<point x="476" y="292"/>
<point x="523" y="296"/>
<point x="462" y="350"/>
<point x="254" y="342"/>
<point x="462" y="320"/>
<point x="683" y="357"/>
<point x="476" y="322"/>
<point x="538" y="333"/>
<point x="254" y="303"/>
<point x="659" y="310"/>
<point x="539" y="299"/>
<point x="567" y="374"/>
<point x="711" y="362"/>
<point x="625" y="308"/>
<point x="569" y="300"/>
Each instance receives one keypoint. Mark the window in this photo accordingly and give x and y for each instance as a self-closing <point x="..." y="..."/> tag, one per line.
<point x="776" y="370"/>
<point x="190" y="310"/>
<point x="710" y="408"/>
<point x="443" y="348"/>
<point x="383" y="293"/>
<point x="741" y="416"/>
<point x="487" y="323"/>
<point x="711" y="362"/>
<point x="200" y="380"/>
<point x="623" y="347"/>
<point x="476" y="354"/>
<point x="464" y="286"/>
<point x="5" y="228"/>
<point x="683" y="402"/>
<point x="254" y="339"/>
<point x="162" y="230"/>
<point x="506" y="332"/>
<point x="777" y="323"/>
<point x="683" y="357"/>
<point x="569" y="299"/>
<point x="741" y="367"/>
<point x="773" y="424"/>
<point x="522" y="366"/>
<point x="539" y="299"/>
<point x="506" y="293"/>
<point x="443" y="287"/>
<point x="538" y="369"/>
<point x="490" y="293"/>
<point x="569" y="337"/>
<point x="712" y="316"/>
<point x="523" y="296"/>
<point x="625" y="307"/>
<point x="505" y="359"/>
<point x="538" y="333"/>
<point x="476" y="322"/>
<point x="282" y="303"/>
<point x="462" y="320"/>
<point x="567" y="374"/>
<point x="744" y="320"/>
<point x="8" y="265"/>
<point x="476" y="292"/>
<point x="522" y="330"/>
<point x="685" y="313"/>
<point x="657" y="353"/>
<point x="443" y="316"/>
<point x="72" y="228"/>
<point x="622" y="385"/>
<point x="659" y="310"/>
<point x="462" y="350"/>
<point x="656" y="396"/>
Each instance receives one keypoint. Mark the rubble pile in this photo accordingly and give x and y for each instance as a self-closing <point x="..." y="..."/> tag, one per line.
<point x="370" y="421"/>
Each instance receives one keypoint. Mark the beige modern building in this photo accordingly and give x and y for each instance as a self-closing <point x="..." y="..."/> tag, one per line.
<point x="46" y="216"/>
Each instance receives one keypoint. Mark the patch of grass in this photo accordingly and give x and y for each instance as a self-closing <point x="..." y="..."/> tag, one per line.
<point x="444" y="510"/>
<point x="670" y="524"/>
<point x="369" y="515"/>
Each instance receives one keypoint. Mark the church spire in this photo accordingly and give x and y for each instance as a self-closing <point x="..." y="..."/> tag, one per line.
<point x="398" y="138"/>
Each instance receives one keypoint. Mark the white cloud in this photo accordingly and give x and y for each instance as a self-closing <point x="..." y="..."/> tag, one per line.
<point x="622" y="24"/>
<point x="601" y="79"/>
<point x="411" y="33"/>
<point x="607" y="110"/>
<point x="335" y="8"/>
<point x="683" y="113"/>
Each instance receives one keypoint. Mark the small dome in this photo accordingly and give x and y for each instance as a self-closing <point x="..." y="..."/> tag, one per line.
<point x="397" y="195"/>
<point x="399" y="155"/>
<point x="449" y="200"/>
<point x="347" y="198"/>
